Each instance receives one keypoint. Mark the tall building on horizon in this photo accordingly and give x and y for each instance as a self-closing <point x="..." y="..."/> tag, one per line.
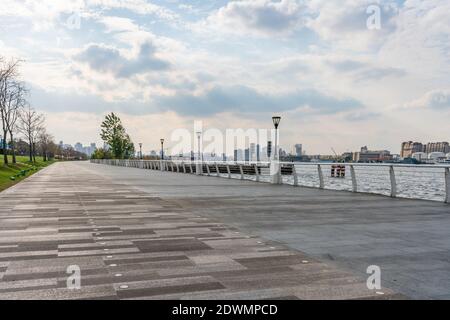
<point x="298" y="149"/>
<point x="78" y="147"/>
<point x="437" y="147"/>
<point x="252" y="155"/>
<point x="408" y="148"/>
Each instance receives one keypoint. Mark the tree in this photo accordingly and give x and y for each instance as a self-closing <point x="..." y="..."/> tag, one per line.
<point x="15" y="105"/>
<point x="31" y="125"/>
<point x="101" y="153"/>
<point x="11" y="95"/>
<point x="45" y="143"/>
<point x="114" y="134"/>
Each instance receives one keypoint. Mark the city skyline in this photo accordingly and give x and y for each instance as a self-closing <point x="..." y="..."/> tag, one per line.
<point x="233" y="64"/>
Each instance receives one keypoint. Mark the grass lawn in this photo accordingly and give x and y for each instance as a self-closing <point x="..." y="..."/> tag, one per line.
<point x="10" y="170"/>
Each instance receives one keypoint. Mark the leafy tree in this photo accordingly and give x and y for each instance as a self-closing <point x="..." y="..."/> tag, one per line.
<point x="114" y="134"/>
<point x="101" y="153"/>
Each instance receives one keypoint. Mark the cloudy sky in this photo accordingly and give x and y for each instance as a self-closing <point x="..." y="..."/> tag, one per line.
<point x="233" y="64"/>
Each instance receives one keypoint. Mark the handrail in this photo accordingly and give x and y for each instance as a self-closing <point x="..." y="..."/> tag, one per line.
<point x="291" y="173"/>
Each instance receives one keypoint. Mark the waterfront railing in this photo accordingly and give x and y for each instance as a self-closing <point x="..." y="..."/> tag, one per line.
<point x="429" y="182"/>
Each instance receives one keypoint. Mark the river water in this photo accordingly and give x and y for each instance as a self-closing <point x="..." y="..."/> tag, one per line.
<point x="414" y="182"/>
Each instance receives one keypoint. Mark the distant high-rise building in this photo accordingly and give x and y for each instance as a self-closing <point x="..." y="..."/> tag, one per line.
<point x="298" y="150"/>
<point x="408" y="148"/>
<point x="269" y="149"/>
<point x="258" y="153"/>
<point x="252" y="156"/>
<point x="78" y="147"/>
<point x="247" y="155"/>
<point x="437" y="147"/>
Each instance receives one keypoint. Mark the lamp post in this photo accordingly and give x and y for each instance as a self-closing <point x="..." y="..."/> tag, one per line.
<point x="199" y="135"/>
<point x="276" y="121"/>
<point x="275" y="166"/>
<point x="140" y="150"/>
<point x="199" y="165"/>
<point x="162" y="155"/>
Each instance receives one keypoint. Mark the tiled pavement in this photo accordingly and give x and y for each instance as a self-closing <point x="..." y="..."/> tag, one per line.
<point x="130" y="244"/>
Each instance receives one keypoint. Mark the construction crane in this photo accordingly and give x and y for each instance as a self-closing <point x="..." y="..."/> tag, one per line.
<point x="335" y="154"/>
<point x="338" y="158"/>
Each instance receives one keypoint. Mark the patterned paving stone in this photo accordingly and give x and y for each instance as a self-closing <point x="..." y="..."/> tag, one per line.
<point x="130" y="244"/>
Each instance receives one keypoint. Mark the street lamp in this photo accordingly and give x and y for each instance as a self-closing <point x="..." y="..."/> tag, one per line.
<point x="162" y="149"/>
<point x="276" y="121"/>
<point x="140" y="150"/>
<point x="198" y="165"/>
<point x="199" y="134"/>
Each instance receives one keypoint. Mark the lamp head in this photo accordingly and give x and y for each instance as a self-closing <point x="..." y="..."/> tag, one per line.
<point x="162" y="141"/>
<point x="276" y="121"/>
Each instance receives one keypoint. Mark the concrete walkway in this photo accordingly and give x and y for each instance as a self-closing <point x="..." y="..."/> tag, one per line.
<point x="408" y="239"/>
<point x="141" y="234"/>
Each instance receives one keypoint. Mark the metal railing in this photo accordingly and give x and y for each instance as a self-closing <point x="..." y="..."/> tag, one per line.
<point x="430" y="182"/>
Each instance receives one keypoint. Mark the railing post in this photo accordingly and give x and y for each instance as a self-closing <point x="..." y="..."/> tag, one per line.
<point x="447" y="185"/>
<point x="393" y="182"/>
<point x="217" y="170"/>
<point x="321" y="181"/>
<point x="184" y="167"/>
<point x="275" y="172"/>
<point x="192" y="170"/>
<point x="228" y="171"/>
<point x="354" y="183"/>
<point x="256" y="172"/>
<point x="208" y="172"/>
<point x="294" y="173"/>
<point x="242" y="171"/>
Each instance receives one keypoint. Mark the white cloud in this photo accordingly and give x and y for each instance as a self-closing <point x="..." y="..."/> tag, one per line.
<point x="109" y="59"/>
<point x="118" y="24"/>
<point x="438" y="100"/>
<point x="343" y="24"/>
<point x="256" y="17"/>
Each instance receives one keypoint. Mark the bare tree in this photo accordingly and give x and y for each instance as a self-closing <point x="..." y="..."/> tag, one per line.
<point x="8" y="96"/>
<point x="31" y="125"/>
<point x="16" y="103"/>
<point x="45" y="143"/>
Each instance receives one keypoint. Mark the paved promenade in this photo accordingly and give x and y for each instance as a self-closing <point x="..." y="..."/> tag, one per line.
<point x="141" y="234"/>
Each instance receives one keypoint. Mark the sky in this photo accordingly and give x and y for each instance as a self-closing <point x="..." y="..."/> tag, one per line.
<point x="339" y="74"/>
